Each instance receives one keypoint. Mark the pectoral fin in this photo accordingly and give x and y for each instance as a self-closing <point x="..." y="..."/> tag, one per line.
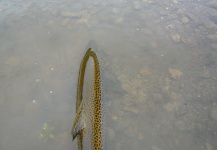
<point x="79" y="122"/>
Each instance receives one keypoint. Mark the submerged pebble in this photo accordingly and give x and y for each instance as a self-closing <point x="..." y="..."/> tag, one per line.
<point x="140" y="136"/>
<point x="214" y="46"/>
<point x="2" y="99"/>
<point x="65" y="13"/>
<point x="154" y="44"/>
<point x="119" y="20"/>
<point x="171" y="106"/>
<point x="115" y="10"/>
<point x="181" y="11"/>
<point x="132" y="109"/>
<point x="214" y="113"/>
<point x="185" y="20"/>
<point x="65" y="22"/>
<point x="131" y="131"/>
<point x="145" y="71"/>
<point x="12" y="61"/>
<point x="176" y="38"/>
<point x="82" y="21"/>
<point x="155" y="148"/>
<point x="175" y="1"/>
<point x="209" y="146"/>
<point x="175" y="73"/>
<point x="136" y="4"/>
<point x="212" y="37"/>
<point x="114" y="117"/>
<point x="111" y="133"/>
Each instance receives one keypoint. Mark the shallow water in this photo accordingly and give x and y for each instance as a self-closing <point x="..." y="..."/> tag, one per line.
<point x="159" y="60"/>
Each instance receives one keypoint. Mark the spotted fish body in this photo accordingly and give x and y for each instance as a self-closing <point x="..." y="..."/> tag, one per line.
<point x="89" y="121"/>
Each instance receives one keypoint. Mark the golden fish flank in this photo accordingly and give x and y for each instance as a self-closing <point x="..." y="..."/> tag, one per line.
<point x="88" y="123"/>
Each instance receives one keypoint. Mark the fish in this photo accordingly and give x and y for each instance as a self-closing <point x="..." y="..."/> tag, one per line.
<point x="89" y="124"/>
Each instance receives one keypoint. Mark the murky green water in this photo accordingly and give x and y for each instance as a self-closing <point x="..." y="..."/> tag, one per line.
<point x="160" y="63"/>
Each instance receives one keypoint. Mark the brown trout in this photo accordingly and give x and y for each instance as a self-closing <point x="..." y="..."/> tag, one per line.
<point x="89" y="120"/>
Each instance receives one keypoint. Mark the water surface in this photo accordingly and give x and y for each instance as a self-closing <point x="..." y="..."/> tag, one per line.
<point x="160" y="70"/>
